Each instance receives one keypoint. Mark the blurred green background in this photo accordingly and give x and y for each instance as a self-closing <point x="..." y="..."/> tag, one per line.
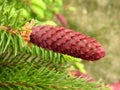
<point x="99" y="19"/>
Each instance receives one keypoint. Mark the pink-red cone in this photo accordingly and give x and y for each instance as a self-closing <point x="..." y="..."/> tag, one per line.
<point x="77" y="73"/>
<point x="115" y="86"/>
<point x="66" y="41"/>
<point x="62" y="19"/>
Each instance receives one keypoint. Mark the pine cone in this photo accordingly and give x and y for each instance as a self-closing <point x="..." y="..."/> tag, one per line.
<point x="66" y="41"/>
<point x="77" y="74"/>
<point x="62" y="19"/>
<point x="115" y="86"/>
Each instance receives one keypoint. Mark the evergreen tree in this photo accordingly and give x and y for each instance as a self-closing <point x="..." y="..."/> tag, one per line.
<point x="25" y="66"/>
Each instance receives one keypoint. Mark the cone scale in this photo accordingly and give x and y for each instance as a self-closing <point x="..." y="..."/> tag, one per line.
<point x="66" y="41"/>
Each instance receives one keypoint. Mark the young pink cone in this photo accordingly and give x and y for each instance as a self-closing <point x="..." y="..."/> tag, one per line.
<point x="62" y="19"/>
<point x="115" y="86"/>
<point x="77" y="73"/>
<point x="66" y="41"/>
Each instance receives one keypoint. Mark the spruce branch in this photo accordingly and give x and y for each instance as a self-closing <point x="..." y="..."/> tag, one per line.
<point x="15" y="43"/>
<point x="9" y="59"/>
<point x="25" y="66"/>
<point x="63" y="40"/>
<point x="30" y="77"/>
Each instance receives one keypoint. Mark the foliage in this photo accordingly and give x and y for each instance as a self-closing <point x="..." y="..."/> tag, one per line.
<point x="24" y="66"/>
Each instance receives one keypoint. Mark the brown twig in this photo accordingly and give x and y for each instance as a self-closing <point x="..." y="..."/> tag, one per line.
<point x="25" y="32"/>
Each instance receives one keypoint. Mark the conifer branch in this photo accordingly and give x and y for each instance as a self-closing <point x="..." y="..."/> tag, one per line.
<point x="28" y="76"/>
<point x="24" y="66"/>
